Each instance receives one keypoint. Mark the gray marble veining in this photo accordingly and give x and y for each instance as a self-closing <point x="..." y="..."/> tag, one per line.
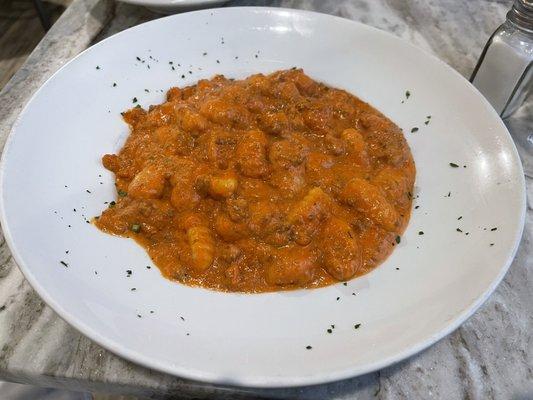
<point x="488" y="357"/>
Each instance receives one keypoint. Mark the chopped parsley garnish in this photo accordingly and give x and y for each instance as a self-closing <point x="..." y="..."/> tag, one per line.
<point x="97" y="67"/>
<point x="493" y="229"/>
<point x="415" y="129"/>
<point x="459" y="230"/>
<point x="112" y="204"/>
<point x="134" y="100"/>
<point x="407" y="94"/>
<point x="398" y="239"/>
<point x="122" y="193"/>
<point x="461" y="217"/>
<point x="421" y="232"/>
<point x="133" y="289"/>
<point x="136" y="228"/>
<point x="63" y="263"/>
<point x="114" y="84"/>
<point x="454" y="165"/>
<point x="329" y="331"/>
<point x="308" y="347"/>
<point x="357" y="326"/>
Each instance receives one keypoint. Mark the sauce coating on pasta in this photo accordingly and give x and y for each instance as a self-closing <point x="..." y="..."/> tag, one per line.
<point x="268" y="183"/>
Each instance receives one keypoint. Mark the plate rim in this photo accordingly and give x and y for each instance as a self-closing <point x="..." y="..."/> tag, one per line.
<point x="271" y="382"/>
<point x="173" y="4"/>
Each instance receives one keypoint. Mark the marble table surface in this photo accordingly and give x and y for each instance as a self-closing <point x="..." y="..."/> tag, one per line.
<point x="488" y="357"/>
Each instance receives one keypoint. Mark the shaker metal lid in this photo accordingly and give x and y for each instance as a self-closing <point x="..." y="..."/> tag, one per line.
<point x="521" y="14"/>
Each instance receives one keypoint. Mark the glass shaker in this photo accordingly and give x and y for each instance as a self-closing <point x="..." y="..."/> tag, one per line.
<point x="504" y="72"/>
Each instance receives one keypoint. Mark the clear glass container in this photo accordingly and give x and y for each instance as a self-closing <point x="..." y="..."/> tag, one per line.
<point x="504" y="72"/>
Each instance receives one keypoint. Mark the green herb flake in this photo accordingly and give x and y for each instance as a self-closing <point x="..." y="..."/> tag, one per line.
<point x="122" y="193"/>
<point x="114" y="84"/>
<point x="461" y="217"/>
<point x="308" y="347"/>
<point x="329" y="331"/>
<point x="136" y="228"/>
<point x="421" y="232"/>
<point x="398" y="239"/>
<point x="112" y="204"/>
<point x="134" y="100"/>
<point x="413" y="130"/>
<point x="459" y="230"/>
<point x="454" y="165"/>
<point x="357" y="326"/>
<point x="97" y="67"/>
<point x="63" y="263"/>
<point x="493" y="229"/>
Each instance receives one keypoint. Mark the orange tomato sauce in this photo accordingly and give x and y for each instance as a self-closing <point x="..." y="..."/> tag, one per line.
<point x="269" y="183"/>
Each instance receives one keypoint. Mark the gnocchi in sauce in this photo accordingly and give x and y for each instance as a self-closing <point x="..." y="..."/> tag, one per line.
<point x="268" y="183"/>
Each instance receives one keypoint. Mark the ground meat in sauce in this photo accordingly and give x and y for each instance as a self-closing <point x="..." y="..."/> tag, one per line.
<point x="269" y="183"/>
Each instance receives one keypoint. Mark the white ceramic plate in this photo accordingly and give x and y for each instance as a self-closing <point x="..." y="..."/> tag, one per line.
<point x="174" y="6"/>
<point x="429" y="285"/>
